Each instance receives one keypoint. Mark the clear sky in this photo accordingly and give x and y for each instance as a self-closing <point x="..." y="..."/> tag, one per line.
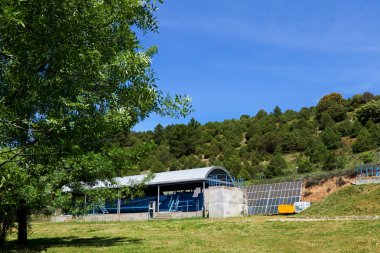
<point x="237" y="57"/>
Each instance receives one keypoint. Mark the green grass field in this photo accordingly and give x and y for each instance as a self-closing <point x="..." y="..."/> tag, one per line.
<point x="350" y="200"/>
<point x="249" y="234"/>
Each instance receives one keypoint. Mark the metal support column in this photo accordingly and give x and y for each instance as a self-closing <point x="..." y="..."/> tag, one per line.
<point x="204" y="206"/>
<point x="266" y="205"/>
<point x="158" y="198"/>
<point x="118" y="201"/>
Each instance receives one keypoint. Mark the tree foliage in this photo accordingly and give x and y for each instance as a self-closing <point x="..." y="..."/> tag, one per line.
<point x="369" y="112"/>
<point x="332" y="104"/>
<point x="276" y="166"/>
<point x="363" y="142"/>
<point x="73" y="80"/>
<point x="305" y="166"/>
<point x="250" y="143"/>
<point x="331" y="138"/>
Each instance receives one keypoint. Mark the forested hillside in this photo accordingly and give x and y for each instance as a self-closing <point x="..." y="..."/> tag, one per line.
<point x="335" y="134"/>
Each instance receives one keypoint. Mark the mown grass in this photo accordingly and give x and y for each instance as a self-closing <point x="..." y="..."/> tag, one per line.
<point x="350" y="200"/>
<point x="249" y="234"/>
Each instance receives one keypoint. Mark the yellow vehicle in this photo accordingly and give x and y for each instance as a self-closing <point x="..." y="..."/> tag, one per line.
<point x="286" y="209"/>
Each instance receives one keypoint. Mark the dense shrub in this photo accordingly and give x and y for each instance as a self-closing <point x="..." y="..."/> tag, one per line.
<point x="363" y="142"/>
<point x="331" y="138"/>
<point x="305" y="166"/>
<point x="369" y="112"/>
<point x="276" y="166"/>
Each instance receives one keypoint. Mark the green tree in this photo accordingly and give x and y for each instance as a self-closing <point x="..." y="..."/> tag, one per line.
<point x="305" y="113"/>
<point x="325" y="121"/>
<point x="254" y="142"/>
<point x="276" y="166"/>
<point x="356" y="128"/>
<point x="363" y="142"/>
<point x="293" y="141"/>
<point x="369" y="112"/>
<point x="243" y="173"/>
<point x="158" y="134"/>
<point x="345" y="127"/>
<point x="316" y="150"/>
<point x="305" y="166"/>
<point x="374" y="130"/>
<point x="261" y="114"/>
<point x="356" y="100"/>
<point x="191" y="161"/>
<point x="330" y="162"/>
<point x="277" y="112"/>
<point x="233" y="165"/>
<point x="367" y="96"/>
<point x="367" y="158"/>
<point x="337" y="112"/>
<point x="331" y="138"/>
<point x="326" y="101"/>
<point x="73" y="76"/>
<point x="334" y="105"/>
<point x="269" y="142"/>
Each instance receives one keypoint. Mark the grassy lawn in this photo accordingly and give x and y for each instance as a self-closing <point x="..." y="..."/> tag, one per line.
<point x="249" y="234"/>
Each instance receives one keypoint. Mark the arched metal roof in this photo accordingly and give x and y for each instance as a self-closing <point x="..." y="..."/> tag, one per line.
<point x="162" y="178"/>
<point x="173" y="177"/>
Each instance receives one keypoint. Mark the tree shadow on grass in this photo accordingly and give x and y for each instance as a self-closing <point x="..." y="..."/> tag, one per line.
<point x="42" y="244"/>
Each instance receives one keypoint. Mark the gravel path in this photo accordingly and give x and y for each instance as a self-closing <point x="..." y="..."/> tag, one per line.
<point x="339" y="218"/>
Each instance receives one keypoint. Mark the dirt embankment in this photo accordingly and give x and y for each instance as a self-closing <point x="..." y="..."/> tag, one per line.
<point x="316" y="190"/>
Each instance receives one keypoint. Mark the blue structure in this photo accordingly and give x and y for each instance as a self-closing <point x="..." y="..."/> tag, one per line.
<point x="173" y="191"/>
<point x="368" y="170"/>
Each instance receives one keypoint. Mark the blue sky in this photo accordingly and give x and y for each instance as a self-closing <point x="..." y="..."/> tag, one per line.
<point x="237" y="57"/>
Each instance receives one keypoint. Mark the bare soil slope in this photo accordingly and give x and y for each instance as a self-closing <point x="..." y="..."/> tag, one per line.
<point x="316" y="190"/>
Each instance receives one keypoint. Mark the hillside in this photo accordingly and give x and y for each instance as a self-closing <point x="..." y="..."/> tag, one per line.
<point x="350" y="200"/>
<point x="317" y="190"/>
<point x="335" y="135"/>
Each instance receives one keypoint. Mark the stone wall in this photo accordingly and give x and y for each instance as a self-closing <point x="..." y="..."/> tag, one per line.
<point x="223" y="202"/>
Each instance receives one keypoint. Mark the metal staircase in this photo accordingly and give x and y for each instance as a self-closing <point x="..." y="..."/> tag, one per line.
<point x="173" y="206"/>
<point x="103" y="209"/>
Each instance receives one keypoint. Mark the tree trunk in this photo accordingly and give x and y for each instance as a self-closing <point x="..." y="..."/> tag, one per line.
<point x="3" y="233"/>
<point x="22" y="231"/>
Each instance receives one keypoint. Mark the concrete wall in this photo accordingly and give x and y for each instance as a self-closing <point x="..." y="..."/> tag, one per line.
<point x="367" y="180"/>
<point x="123" y="217"/>
<point x="102" y="217"/>
<point x="177" y="215"/>
<point x="223" y="202"/>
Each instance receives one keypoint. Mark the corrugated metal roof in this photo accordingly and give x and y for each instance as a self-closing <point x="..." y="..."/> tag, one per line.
<point x="178" y="176"/>
<point x="170" y="177"/>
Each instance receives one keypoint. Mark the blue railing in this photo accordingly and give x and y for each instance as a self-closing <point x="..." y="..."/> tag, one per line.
<point x="177" y="202"/>
<point x="372" y="170"/>
<point x="181" y="202"/>
<point x="225" y="180"/>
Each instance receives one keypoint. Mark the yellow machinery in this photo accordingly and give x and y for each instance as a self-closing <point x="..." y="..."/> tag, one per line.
<point x="286" y="209"/>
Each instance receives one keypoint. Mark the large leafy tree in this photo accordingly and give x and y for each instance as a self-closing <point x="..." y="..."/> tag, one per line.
<point x="276" y="166"/>
<point x="369" y="112"/>
<point x="73" y="78"/>
<point x="332" y="104"/>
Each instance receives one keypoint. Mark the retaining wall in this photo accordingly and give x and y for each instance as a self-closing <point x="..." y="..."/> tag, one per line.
<point x="123" y="217"/>
<point x="367" y="180"/>
<point x="223" y="202"/>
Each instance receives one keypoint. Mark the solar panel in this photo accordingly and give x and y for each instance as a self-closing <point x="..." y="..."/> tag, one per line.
<point x="265" y="198"/>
